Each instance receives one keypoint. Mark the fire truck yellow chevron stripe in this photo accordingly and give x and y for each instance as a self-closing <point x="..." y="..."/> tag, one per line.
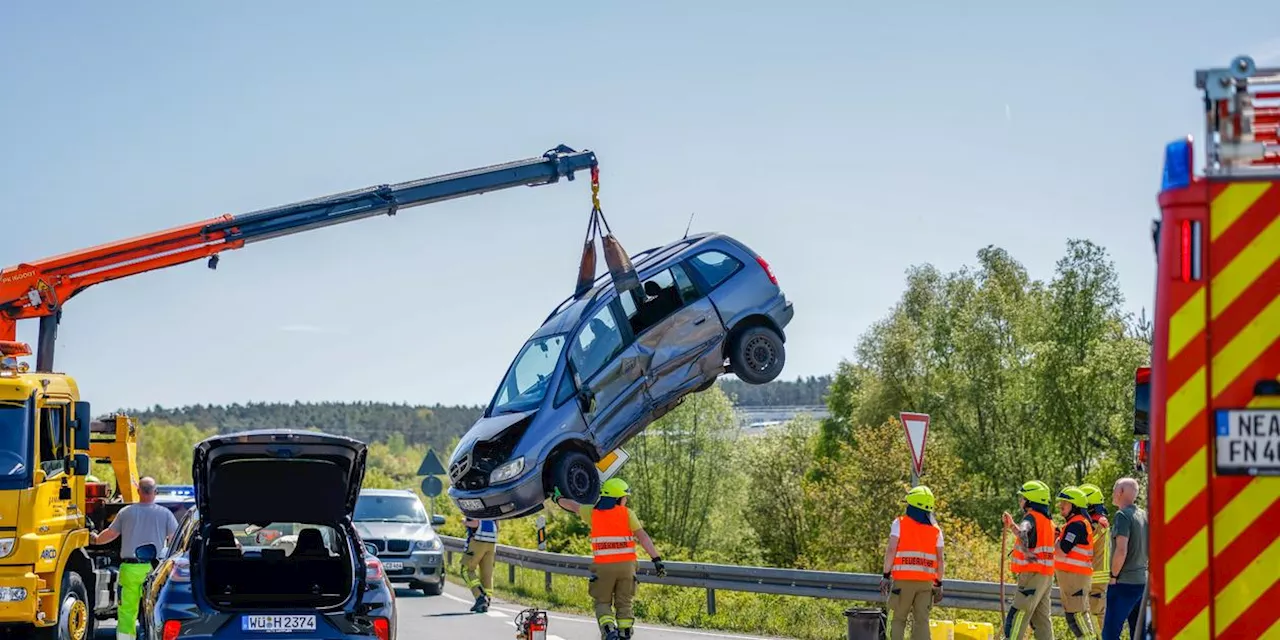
<point x="1186" y="324"/>
<point x="1185" y="484"/>
<point x="1186" y="564"/>
<point x="1184" y="405"/>
<point x="1232" y="203"/>
<point x="1197" y="629"/>
<point x="1231" y="601"/>
<point x="1246" y="346"/>
<point x="1242" y="511"/>
<point x="1246" y="267"/>
<point x="1273" y="633"/>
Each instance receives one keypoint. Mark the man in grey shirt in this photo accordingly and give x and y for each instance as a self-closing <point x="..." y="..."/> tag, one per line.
<point x="1128" y="561"/>
<point x="137" y="524"/>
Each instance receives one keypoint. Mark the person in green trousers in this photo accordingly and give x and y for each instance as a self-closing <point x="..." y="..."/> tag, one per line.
<point x="136" y="525"/>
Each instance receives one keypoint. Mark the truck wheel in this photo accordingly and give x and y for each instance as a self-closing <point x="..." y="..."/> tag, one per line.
<point x="756" y="355"/>
<point x="75" y="619"/>
<point x="577" y="477"/>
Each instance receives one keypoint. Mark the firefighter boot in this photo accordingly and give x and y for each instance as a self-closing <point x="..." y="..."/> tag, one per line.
<point x="609" y="632"/>
<point x="482" y="603"/>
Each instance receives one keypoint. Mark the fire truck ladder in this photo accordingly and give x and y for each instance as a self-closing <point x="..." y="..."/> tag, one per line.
<point x="1241" y="119"/>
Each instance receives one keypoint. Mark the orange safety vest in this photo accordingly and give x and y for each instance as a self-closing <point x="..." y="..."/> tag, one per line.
<point x="917" y="554"/>
<point x="611" y="537"/>
<point x="1039" y="559"/>
<point x="1080" y="560"/>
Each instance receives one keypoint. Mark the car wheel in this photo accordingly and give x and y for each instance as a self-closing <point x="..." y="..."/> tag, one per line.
<point x="75" y="619"/>
<point x="577" y="477"/>
<point x="757" y="355"/>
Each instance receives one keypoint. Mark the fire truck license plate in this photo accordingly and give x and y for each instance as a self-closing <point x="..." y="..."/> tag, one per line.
<point x="1248" y="441"/>
<point x="277" y="624"/>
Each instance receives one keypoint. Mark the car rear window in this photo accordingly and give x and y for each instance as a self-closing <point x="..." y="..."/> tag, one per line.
<point x="715" y="266"/>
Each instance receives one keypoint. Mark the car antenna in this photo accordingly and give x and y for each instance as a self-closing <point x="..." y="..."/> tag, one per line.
<point x="690" y="225"/>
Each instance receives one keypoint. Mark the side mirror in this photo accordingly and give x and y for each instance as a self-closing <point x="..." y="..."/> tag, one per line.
<point x="437" y="520"/>
<point x="81" y="426"/>
<point x="80" y="465"/>
<point x="145" y="553"/>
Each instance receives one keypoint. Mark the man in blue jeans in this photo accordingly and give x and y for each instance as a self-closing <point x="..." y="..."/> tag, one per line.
<point x="1128" y="561"/>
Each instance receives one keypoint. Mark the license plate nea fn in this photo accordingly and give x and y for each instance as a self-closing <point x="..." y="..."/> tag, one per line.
<point x="277" y="623"/>
<point x="1248" y="441"/>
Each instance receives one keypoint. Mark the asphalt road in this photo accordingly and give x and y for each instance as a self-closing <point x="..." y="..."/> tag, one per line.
<point x="447" y="617"/>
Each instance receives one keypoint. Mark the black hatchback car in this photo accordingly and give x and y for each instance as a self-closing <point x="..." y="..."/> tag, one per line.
<point x="227" y="573"/>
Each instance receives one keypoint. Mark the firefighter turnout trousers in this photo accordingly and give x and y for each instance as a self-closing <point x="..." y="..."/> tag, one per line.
<point x="914" y="597"/>
<point x="477" y="567"/>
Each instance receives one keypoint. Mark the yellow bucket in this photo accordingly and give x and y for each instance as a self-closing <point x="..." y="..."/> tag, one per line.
<point x="941" y="630"/>
<point x="974" y="631"/>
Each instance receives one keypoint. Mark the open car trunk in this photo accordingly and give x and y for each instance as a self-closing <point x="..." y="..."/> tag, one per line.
<point x="318" y="572"/>
<point x="299" y="487"/>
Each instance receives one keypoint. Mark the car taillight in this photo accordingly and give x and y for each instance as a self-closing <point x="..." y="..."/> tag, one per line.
<point x="171" y="629"/>
<point x="381" y="628"/>
<point x="373" y="569"/>
<point x="769" y="272"/>
<point x="181" y="571"/>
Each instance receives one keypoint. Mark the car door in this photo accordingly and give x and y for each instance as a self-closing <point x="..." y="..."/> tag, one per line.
<point x="678" y="333"/>
<point x="607" y="369"/>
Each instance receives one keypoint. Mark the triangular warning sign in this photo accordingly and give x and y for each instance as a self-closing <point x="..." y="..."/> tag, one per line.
<point x="431" y="465"/>
<point x="917" y="427"/>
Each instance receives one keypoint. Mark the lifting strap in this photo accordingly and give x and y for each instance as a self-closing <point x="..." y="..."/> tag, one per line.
<point x="620" y="267"/>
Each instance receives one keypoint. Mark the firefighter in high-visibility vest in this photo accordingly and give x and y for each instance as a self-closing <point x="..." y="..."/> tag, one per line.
<point x="1032" y="563"/>
<point x="913" y="566"/>
<point x="615" y="529"/>
<point x="1101" y="553"/>
<point x="1073" y="561"/>
<point x="477" y="561"/>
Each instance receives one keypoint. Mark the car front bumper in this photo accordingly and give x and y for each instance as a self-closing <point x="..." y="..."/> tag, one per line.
<point x="419" y="566"/>
<point x="505" y="501"/>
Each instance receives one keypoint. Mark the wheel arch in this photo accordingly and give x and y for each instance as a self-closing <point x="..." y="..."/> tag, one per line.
<point x="753" y="320"/>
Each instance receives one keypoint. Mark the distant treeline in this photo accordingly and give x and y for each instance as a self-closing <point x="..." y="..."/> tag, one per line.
<point x="435" y="426"/>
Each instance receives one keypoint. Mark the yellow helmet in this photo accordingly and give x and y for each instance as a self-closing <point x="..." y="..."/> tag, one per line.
<point x="614" y="488"/>
<point x="1074" y="496"/>
<point x="920" y="497"/>
<point x="1092" y="493"/>
<point x="1035" y="491"/>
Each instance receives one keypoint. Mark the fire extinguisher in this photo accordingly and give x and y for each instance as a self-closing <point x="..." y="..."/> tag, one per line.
<point x="531" y="624"/>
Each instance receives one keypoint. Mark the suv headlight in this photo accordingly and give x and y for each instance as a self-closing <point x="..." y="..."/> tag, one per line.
<point x="6" y="546"/>
<point x="431" y="544"/>
<point x="508" y="471"/>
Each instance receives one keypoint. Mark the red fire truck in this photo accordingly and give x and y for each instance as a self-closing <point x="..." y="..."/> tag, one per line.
<point x="1212" y="441"/>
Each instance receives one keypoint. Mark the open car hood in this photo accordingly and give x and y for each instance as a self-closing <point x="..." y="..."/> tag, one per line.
<point x="258" y="477"/>
<point x="488" y="428"/>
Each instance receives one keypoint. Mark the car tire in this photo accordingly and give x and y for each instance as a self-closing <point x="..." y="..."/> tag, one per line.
<point x="75" y="616"/>
<point x="757" y="355"/>
<point x="433" y="588"/>
<point x="577" y="477"/>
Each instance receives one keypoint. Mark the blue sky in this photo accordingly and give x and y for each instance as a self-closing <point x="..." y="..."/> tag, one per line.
<point x="843" y="141"/>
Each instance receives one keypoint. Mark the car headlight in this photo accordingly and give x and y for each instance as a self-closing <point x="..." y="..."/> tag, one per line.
<point x="430" y="544"/>
<point x="6" y="546"/>
<point x="508" y="471"/>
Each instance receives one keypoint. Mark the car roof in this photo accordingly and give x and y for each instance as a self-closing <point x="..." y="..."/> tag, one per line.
<point x="567" y="313"/>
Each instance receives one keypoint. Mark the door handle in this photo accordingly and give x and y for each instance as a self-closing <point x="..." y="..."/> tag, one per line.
<point x="699" y="321"/>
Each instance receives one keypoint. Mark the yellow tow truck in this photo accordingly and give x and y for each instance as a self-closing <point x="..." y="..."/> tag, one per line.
<point x="53" y="584"/>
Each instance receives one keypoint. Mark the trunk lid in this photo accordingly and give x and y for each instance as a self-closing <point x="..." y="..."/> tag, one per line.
<point x="279" y="475"/>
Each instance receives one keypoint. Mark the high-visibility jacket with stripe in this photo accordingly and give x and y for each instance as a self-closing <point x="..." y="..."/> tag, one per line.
<point x="1039" y="558"/>
<point x="487" y="532"/>
<point x="1080" y="559"/>
<point x="611" y="536"/>
<point x="1101" y="555"/>
<point x="917" y="554"/>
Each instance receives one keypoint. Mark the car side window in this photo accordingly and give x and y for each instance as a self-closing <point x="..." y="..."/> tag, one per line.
<point x="567" y="389"/>
<point x="657" y="298"/>
<point x="715" y="266"/>
<point x="596" y="344"/>
<point x="53" y="440"/>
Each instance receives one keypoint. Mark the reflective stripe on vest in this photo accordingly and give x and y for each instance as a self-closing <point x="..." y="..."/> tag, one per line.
<point x="1080" y="560"/>
<point x="1101" y="556"/>
<point x="1038" y="559"/>
<point x="611" y="539"/>
<point x="488" y="531"/>
<point x="917" y="554"/>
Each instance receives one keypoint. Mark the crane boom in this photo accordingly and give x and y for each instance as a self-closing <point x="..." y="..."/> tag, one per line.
<point x="39" y="289"/>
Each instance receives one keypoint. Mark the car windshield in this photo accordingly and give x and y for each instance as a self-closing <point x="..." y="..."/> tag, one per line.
<point x="15" y="430"/>
<point x="390" y="509"/>
<point x="526" y="383"/>
<point x="274" y="536"/>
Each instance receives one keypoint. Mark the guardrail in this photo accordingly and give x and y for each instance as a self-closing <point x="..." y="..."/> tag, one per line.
<point x="864" y="587"/>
